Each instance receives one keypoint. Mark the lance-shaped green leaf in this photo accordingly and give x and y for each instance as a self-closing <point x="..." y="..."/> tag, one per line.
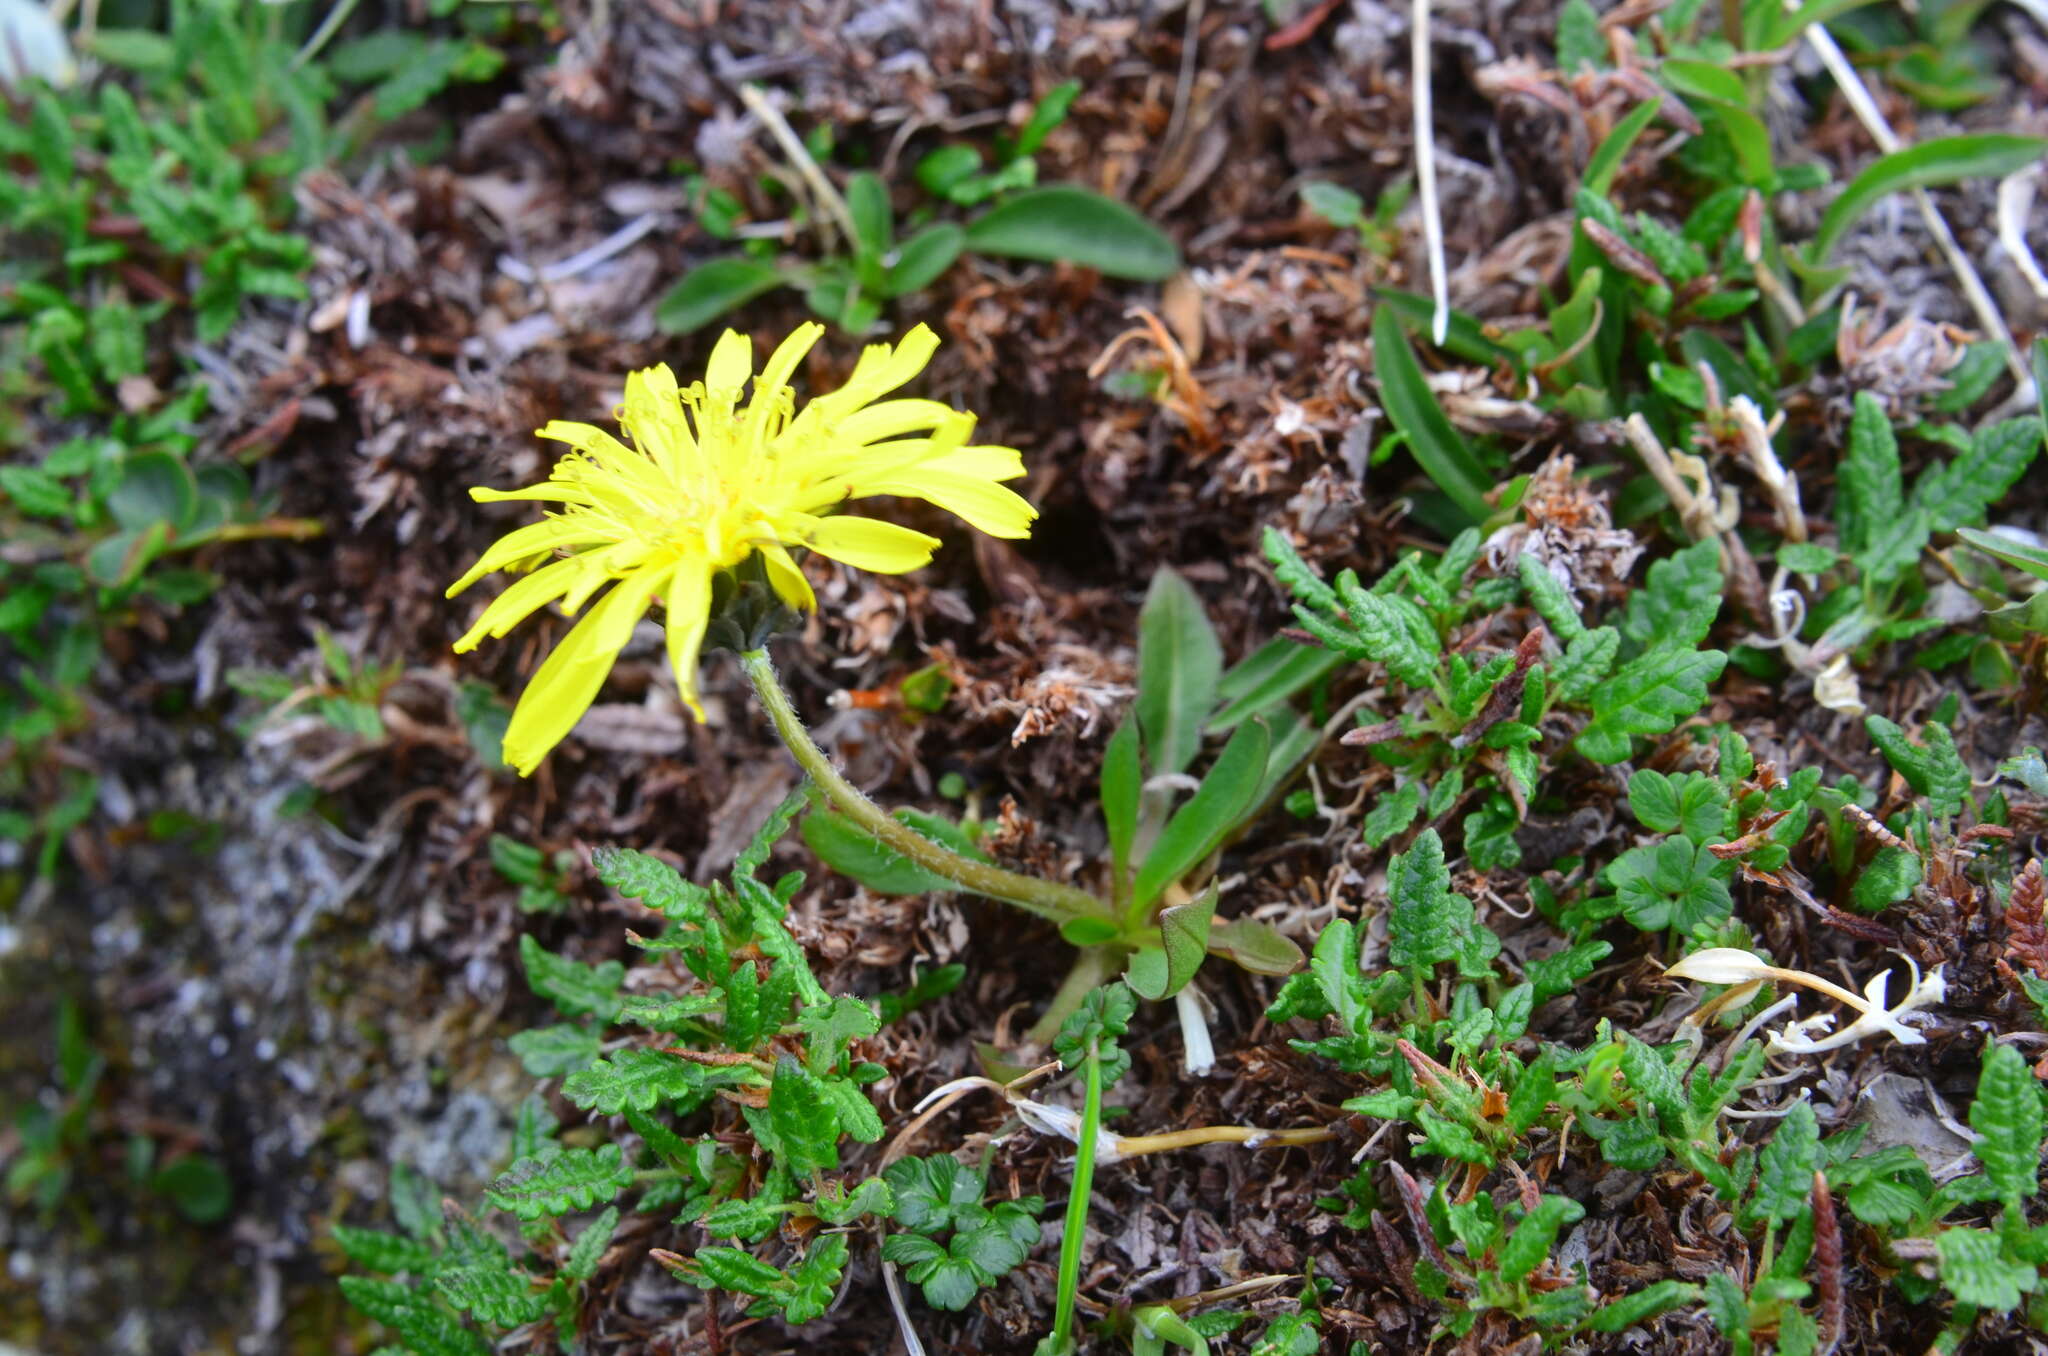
<point x="1438" y="447"/>
<point x="1946" y="160"/>
<point x="1217" y="808"/>
<point x="1123" y="777"/>
<point x="1179" y="663"/>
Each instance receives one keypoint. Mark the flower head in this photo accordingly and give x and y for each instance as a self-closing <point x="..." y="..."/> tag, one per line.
<point x="703" y="482"/>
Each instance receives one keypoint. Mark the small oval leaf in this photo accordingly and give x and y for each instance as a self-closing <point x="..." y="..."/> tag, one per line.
<point x="1063" y="222"/>
<point x="710" y="290"/>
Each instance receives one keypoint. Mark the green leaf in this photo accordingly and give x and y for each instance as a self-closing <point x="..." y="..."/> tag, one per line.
<point x="1268" y="677"/>
<point x="492" y="1294"/>
<point x="1184" y="938"/>
<point x="1945" y="160"/>
<point x="642" y="1079"/>
<point x="1976" y="1270"/>
<point x="1334" y="203"/>
<point x="836" y="1205"/>
<point x="1228" y="791"/>
<point x="850" y="850"/>
<point x="1063" y="222"/>
<point x="923" y="258"/>
<point x="1587" y="660"/>
<point x="1048" y="113"/>
<point x="1392" y="814"/>
<point x="1958" y="493"/>
<point x="804" y="1126"/>
<point x="1678" y="606"/>
<point x="2007" y="1117"/>
<point x="569" y="1179"/>
<point x="550" y="1051"/>
<point x="1533" y="1093"/>
<point x="750" y="1217"/>
<point x="739" y="1271"/>
<point x="1876" y="528"/>
<point x="708" y="291"/>
<point x="941" y="169"/>
<point x="1606" y="160"/>
<point x="990" y="1247"/>
<point x="1386" y="628"/>
<point x="653" y="882"/>
<point x="427" y="1329"/>
<point x="1335" y="969"/>
<point x="1534" y="1237"/>
<point x="856" y="1115"/>
<point x="588" y="1249"/>
<point x="1104" y="1014"/>
<point x="156" y="488"/>
<point x="1255" y="946"/>
<point x="1673" y="884"/>
<point x="1661" y="1297"/>
<point x="816" y="1280"/>
<point x="573" y="987"/>
<point x="1784" y="1168"/>
<point x="666" y="1012"/>
<point x="1936" y="771"/>
<point x="1886" y="879"/>
<point x="931" y="1192"/>
<point x="2011" y="550"/>
<point x="874" y="221"/>
<point x="832" y="1026"/>
<point x="1549" y="597"/>
<point x="1437" y="447"/>
<point x="1180" y="662"/>
<point x="1580" y="44"/>
<point x="1651" y="1076"/>
<point x="415" y="1202"/>
<point x="1427" y="923"/>
<point x="388" y="1253"/>
<point x="1648" y="695"/>
<point x="1122" y="778"/>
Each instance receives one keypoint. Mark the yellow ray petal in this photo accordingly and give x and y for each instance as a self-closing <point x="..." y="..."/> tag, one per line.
<point x="653" y="414"/>
<point x="787" y="579"/>
<point x="732" y="362"/>
<point x="889" y="419"/>
<point x="986" y="506"/>
<point x="689" y="611"/>
<point x="523" y="543"/>
<point x="522" y="599"/>
<point x="868" y="544"/>
<point x="568" y="492"/>
<point x="569" y="681"/>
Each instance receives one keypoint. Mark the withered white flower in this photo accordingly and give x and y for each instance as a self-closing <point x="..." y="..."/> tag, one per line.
<point x="1732" y="965"/>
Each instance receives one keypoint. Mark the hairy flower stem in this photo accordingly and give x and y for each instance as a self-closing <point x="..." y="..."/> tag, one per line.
<point x="1047" y="899"/>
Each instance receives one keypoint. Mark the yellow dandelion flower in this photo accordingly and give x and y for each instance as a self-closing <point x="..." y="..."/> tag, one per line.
<point x="707" y="481"/>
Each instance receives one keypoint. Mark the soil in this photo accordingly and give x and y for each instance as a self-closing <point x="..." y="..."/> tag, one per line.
<point x="313" y="978"/>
